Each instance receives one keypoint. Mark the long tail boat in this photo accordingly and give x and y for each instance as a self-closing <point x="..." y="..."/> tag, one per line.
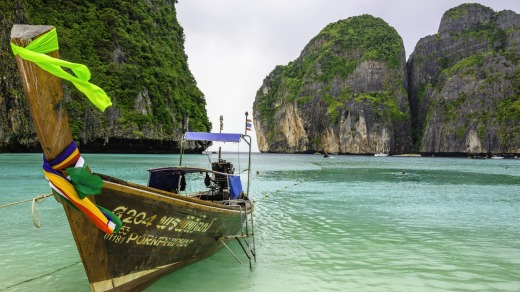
<point x="128" y="235"/>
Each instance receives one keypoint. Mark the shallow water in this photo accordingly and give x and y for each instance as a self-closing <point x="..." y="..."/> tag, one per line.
<point x="346" y="223"/>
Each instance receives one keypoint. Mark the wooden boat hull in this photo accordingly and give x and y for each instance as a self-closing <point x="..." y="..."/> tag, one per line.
<point x="161" y="232"/>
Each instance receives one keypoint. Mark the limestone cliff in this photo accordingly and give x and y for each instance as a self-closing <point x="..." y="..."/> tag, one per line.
<point x="345" y="93"/>
<point x="135" y="51"/>
<point x="350" y="92"/>
<point x="465" y="84"/>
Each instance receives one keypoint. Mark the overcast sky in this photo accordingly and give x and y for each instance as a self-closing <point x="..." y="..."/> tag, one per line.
<point x="233" y="45"/>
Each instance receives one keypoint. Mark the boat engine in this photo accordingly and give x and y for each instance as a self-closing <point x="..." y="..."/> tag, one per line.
<point x="220" y="179"/>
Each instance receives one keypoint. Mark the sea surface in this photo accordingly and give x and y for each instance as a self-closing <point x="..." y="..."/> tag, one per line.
<point x="344" y="223"/>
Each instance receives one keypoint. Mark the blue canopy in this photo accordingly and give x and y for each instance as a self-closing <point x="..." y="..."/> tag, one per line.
<point x="220" y="137"/>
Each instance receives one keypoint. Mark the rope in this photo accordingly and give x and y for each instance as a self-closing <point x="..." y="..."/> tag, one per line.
<point x="39" y="277"/>
<point x="34" y="209"/>
<point x="19" y="202"/>
<point x="308" y="177"/>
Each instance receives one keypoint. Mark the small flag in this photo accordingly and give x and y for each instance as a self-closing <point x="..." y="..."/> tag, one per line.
<point x="249" y="124"/>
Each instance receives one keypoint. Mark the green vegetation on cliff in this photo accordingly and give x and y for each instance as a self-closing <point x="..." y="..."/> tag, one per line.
<point x="334" y="54"/>
<point x="371" y="36"/>
<point x="135" y="51"/>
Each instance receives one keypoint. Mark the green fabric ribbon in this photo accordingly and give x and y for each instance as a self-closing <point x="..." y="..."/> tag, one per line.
<point x="113" y="218"/>
<point x="84" y="182"/>
<point x="87" y="184"/>
<point x="90" y="187"/>
<point x="36" y="53"/>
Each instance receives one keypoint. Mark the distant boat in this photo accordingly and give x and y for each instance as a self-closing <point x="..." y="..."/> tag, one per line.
<point x="497" y="157"/>
<point x="381" y="154"/>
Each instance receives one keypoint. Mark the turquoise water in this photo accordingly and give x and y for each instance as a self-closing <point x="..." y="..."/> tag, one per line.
<point x="346" y="223"/>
